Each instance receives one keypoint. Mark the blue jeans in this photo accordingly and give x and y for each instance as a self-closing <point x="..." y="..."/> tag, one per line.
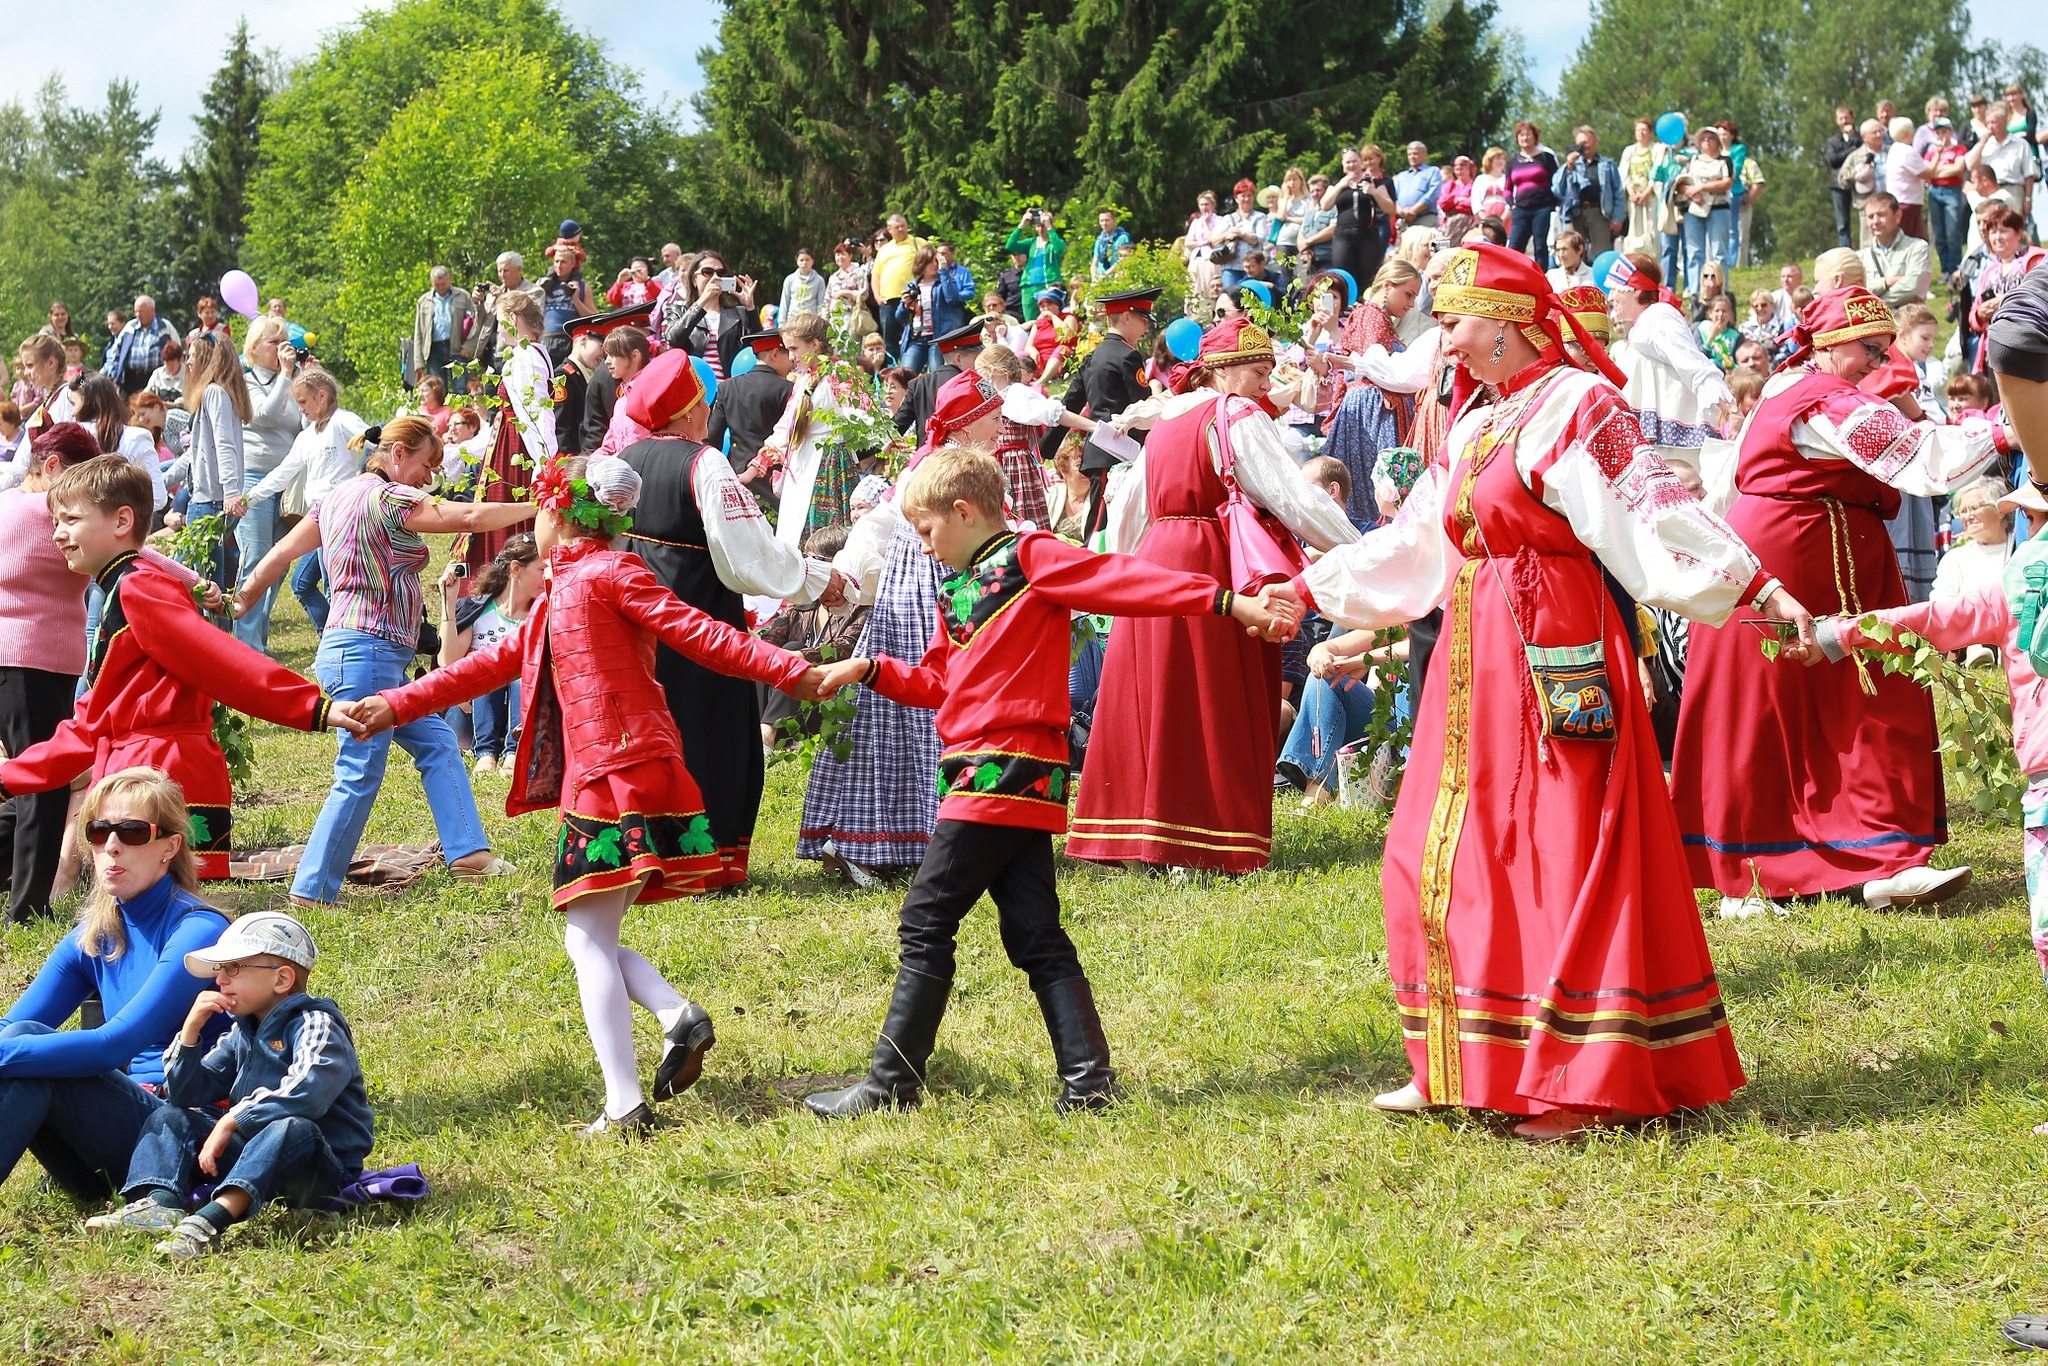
<point x="1333" y="713"/>
<point x="919" y="353"/>
<point x="1947" y="217"/>
<point x="81" y="1129"/>
<point x="286" y="1158"/>
<point x="1706" y="239"/>
<point x="307" y="578"/>
<point x="355" y="664"/>
<point x="493" y="716"/>
<point x="254" y="536"/>
<point x="1673" y="260"/>
<point x="225" y="561"/>
<point x="1529" y="233"/>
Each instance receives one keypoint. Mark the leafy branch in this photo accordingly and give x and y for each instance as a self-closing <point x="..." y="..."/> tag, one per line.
<point x="1976" y="711"/>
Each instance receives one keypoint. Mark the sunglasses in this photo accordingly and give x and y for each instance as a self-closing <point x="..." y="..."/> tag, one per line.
<point x="704" y="271"/>
<point x="128" y="832"/>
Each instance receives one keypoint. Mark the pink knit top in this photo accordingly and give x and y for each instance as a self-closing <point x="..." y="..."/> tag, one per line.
<point x="42" y="603"/>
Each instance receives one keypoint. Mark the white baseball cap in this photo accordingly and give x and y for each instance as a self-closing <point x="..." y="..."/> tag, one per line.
<point x="266" y="934"/>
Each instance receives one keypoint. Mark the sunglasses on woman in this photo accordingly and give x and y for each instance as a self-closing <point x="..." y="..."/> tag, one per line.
<point x="128" y="832"/>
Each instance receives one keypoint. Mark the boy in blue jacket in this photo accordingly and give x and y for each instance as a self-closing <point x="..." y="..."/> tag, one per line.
<point x="297" y="1124"/>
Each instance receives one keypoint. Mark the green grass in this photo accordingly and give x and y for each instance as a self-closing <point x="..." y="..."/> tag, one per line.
<point x="1868" y="1197"/>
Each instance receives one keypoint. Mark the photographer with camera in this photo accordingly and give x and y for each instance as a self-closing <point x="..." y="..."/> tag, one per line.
<point x="487" y="300"/>
<point x="1045" y="254"/>
<point x="564" y="296"/>
<point x="715" y="321"/>
<point x="1588" y="186"/>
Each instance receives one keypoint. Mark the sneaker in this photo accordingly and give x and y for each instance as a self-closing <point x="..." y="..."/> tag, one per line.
<point x="637" y="1122"/>
<point x="497" y="867"/>
<point x="486" y="765"/>
<point x="192" y="1239"/>
<point x="137" y="1216"/>
<point x="1922" y="886"/>
<point x="1743" y="907"/>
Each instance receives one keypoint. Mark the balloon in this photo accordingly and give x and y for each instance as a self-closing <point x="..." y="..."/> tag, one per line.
<point x="238" y="292"/>
<point x="1260" y="288"/>
<point x="1671" y="128"/>
<point x="1184" y="338"/>
<point x="746" y="360"/>
<point x="296" y="337"/>
<point x="1350" y="282"/>
<point x="1603" y="266"/>
<point x="703" y="369"/>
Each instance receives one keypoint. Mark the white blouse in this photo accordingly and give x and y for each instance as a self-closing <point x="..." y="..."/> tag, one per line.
<point x="800" y="466"/>
<point x="1664" y="548"/>
<point x="529" y="388"/>
<point x="745" y="550"/>
<point x="1663" y="337"/>
<point x="323" y="453"/>
<point x="1922" y="458"/>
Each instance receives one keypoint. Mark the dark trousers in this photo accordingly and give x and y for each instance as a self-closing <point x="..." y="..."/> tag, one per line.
<point x="81" y="1129"/>
<point x="1014" y="866"/>
<point x="286" y="1159"/>
<point x="1098" y="509"/>
<point x="1845" y="215"/>
<point x="32" y="703"/>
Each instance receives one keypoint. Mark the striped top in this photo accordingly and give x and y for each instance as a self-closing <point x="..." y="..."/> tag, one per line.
<point x="373" y="559"/>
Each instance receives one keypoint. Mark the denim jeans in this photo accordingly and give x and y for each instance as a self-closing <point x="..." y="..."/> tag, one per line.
<point x="1845" y="215"/>
<point x="1333" y="713"/>
<point x="1706" y="239"/>
<point x="286" y="1158"/>
<point x="1232" y="277"/>
<point x="254" y="536"/>
<point x="225" y="560"/>
<point x="82" y="1129"/>
<point x="1529" y="232"/>
<point x="1947" y="217"/>
<point x="493" y="716"/>
<point x="1673" y="260"/>
<point x="307" y="578"/>
<point x="920" y="354"/>
<point x="354" y="664"/>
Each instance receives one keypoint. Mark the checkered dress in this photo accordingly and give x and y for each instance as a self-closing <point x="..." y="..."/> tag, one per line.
<point x="879" y="807"/>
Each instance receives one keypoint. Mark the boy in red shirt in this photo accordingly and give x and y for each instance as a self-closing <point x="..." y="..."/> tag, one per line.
<point x="996" y="671"/>
<point x="156" y="668"/>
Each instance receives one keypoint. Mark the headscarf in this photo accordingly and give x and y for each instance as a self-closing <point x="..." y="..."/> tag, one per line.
<point x="962" y="401"/>
<point x="1493" y="282"/>
<point x="602" y="498"/>
<point x="1228" y="342"/>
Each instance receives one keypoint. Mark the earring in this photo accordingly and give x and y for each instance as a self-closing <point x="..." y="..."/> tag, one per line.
<point x="1500" y="344"/>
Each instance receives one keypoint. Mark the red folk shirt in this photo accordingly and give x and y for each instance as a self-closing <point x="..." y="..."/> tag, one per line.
<point x="996" y="669"/>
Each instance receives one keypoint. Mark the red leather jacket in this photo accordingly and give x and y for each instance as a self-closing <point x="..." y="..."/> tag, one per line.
<point x="584" y="658"/>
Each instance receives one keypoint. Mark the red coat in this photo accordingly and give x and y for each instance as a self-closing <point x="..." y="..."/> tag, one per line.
<point x="588" y="701"/>
<point x="996" y="668"/>
<point x="158" y="669"/>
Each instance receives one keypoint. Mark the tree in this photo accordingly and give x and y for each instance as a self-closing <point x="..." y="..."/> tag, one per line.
<point x="212" y="203"/>
<point x="1776" y="69"/>
<point x="828" y="111"/>
<point x="472" y="162"/>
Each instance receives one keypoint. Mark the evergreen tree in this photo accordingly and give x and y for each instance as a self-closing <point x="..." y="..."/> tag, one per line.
<point x="213" y="201"/>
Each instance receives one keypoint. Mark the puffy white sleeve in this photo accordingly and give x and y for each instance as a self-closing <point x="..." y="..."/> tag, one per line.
<point x="1270" y="477"/>
<point x="527" y="389"/>
<point x="1394" y="573"/>
<point x="1130" y="509"/>
<point x="1027" y="407"/>
<point x="744" y="548"/>
<point x="140" y="448"/>
<point x="1661" y="335"/>
<point x="1399" y="372"/>
<point x="16" y="469"/>
<point x="867" y="546"/>
<point x="1923" y="458"/>
<point x="1626" y="505"/>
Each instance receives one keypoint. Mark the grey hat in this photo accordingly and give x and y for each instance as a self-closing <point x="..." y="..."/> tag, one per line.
<point x="266" y="934"/>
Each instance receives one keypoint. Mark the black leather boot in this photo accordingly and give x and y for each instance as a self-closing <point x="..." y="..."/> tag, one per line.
<point x="909" y="1033"/>
<point x="1079" y="1048"/>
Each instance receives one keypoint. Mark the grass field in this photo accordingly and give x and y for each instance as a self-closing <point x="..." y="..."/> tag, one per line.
<point x="1868" y="1197"/>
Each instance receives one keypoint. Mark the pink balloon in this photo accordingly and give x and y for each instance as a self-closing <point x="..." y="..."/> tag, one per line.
<point x="238" y="292"/>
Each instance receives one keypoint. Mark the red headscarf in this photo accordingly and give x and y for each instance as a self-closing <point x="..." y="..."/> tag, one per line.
<point x="1840" y="315"/>
<point x="962" y="401"/>
<point x="1486" y="281"/>
<point x="1230" y="341"/>
<point x="664" y="390"/>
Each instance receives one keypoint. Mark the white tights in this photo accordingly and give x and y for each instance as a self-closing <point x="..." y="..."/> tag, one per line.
<point x="608" y="976"/>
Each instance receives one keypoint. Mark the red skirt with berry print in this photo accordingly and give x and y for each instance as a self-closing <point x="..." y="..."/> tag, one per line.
<point x="644" y="824"/>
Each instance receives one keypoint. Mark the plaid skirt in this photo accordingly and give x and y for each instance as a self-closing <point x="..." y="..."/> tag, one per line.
<point x="880" y="805"/>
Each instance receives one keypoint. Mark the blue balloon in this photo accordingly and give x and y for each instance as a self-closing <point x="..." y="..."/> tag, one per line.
<point x="1603" y="266"/>
<point x="1350" y="282"/>
<point x="704" y="372"/>
<point x="1184" y="338"/>
<point x="1260" y="288"/>
<point x="743" y="362"/>
<point x="1671" y="128"/>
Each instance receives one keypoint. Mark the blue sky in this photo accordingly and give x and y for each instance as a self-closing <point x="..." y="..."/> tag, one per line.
<point x="170" y="47"/>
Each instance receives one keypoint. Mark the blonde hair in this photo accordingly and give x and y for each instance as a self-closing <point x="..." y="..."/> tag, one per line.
<point x="266" y="327"/>
<point x="408" y="432"/>
<point x="1836" y="267"/>
<point x="314" y="379"/>
<point x="101" y="931"/>
<point x="1296" y="179"/>
<point x="1417" y="246"/>
<point x="1486" y="158"/>
<point x="803" y="327"/>
<point x="1002" y="366"/>
<point x="213" y="362"/>
<point x="966" y="474"/>
<point x="1915" y="314"/>
<point x="521" y="308"/>
<point x="1392" y="272"/>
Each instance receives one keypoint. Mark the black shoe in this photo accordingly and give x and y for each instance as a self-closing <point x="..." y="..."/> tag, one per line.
<point x="1087" y="1081"/>
<point x="909" y="1033"/>
<point x="637" y="1122"/>
<point x="2029" y="1330"/>
<point x="682" y="1062"/>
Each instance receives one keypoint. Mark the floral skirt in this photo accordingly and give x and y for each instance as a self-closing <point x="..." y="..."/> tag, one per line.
<point x="645" y="824"/>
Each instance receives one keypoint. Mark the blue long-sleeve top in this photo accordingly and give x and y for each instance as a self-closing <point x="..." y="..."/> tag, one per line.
<point x="146" y="991"/>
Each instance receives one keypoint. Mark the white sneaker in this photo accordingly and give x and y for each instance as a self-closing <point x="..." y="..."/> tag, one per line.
<point x="1406" y="1101"/>
<point x="1743" y="907"/>
<point x="485" y="765"/>
<point x="1922" y="886"/>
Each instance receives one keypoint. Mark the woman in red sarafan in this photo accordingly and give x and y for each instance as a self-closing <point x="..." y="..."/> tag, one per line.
<point x="1791" y="782"/>
<point x="1545" y="947"/>
<point x="597" y="739"/>
<point x="1180" y="763"/>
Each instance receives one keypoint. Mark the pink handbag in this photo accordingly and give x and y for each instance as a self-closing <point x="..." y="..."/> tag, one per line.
<point x="1262" y="551"/>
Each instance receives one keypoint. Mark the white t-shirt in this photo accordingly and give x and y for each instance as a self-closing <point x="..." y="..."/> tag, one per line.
<point x="1902" y="168"/>
<point x="492" y="626"/>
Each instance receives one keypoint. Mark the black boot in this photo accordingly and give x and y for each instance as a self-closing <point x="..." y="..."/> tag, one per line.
<point x="909" y="1033"/>
<point x="1087" y="1081"/>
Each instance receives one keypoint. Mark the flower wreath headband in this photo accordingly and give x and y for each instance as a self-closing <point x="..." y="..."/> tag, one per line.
<point x="602" y="498"/>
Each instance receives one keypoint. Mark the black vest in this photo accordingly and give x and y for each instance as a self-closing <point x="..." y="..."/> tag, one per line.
<point x="668" y="527"/>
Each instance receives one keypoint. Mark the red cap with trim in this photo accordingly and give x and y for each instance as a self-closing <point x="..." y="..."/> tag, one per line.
<point x="667" y="388"/>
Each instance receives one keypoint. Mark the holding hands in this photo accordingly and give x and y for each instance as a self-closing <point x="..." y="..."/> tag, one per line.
<point x="1273" y="615"/>
<point x="373" y="714"/>
<point x="821" y="681"/>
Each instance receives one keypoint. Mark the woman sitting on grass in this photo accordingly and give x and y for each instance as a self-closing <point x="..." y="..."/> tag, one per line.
<point x="77" y="1099"/>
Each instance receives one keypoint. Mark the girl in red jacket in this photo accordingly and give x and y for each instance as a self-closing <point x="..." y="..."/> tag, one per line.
<point x="597" y="739"/>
